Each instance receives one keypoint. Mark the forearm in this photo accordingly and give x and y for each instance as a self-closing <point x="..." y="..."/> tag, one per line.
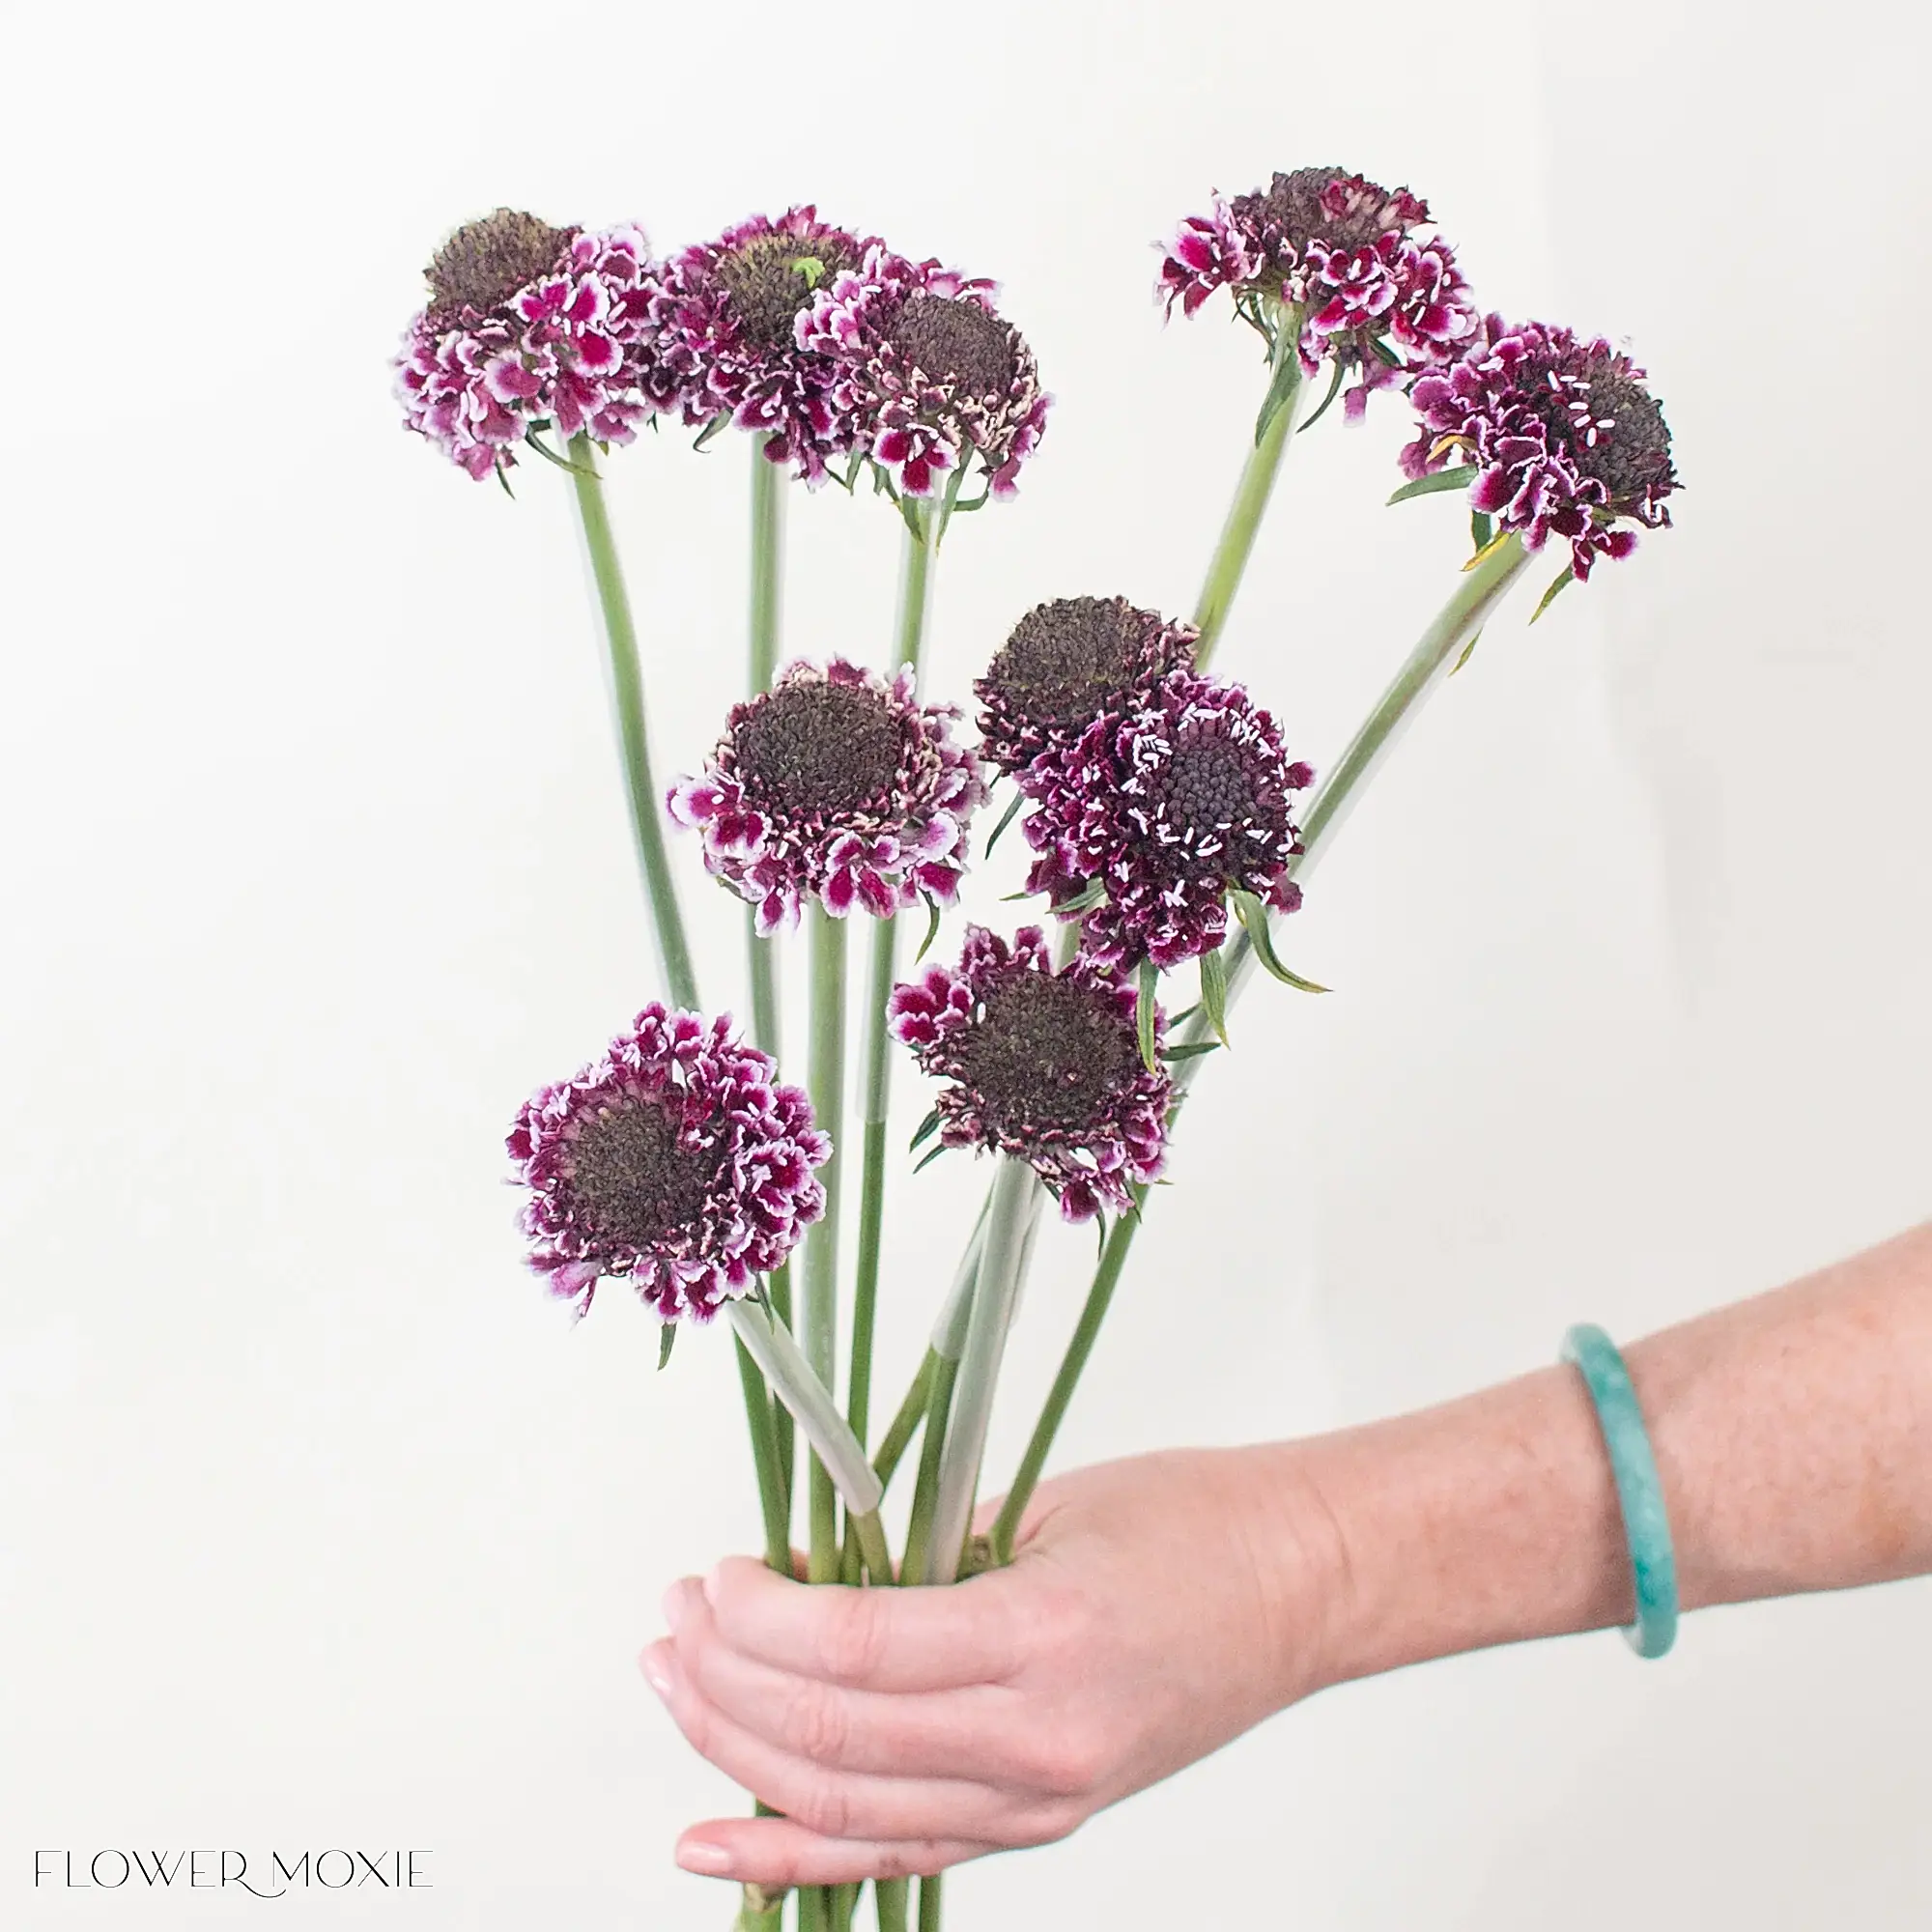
<point x="1793" y="1436"/>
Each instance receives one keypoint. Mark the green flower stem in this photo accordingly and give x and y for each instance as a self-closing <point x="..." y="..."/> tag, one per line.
<point x="1002" y="1263"/>
<point x="872" y="1213"/>
<point x="905" y="1424"/>
<point x="1434" y="655"/>
<point x="1484" y="583"/>
<point x="778" y="1292"/>
<point x="915" y="602"/>
<point x="891" y="1452"/>
<point x="916" y="586"/>
<point x="761" y="1911"/>
<point x="948" y="1332"/>
<point x="768" y="481"/>
<point x="1107" y="1277"/>
<point x="891" y="1895"/>
<point x="768" y="506"/>
<point x="928" y="1903"/>
<point x="826" y="1080"/>
<point x="834" y="1448"/>
<point x="1251" y="494"/>
<point x="844" y="1903"/>
<point x="914" y="1566"/>
<point x="758" y="1406"/>
<point x="628" y="694"/>
<point x="815" y="1908"/>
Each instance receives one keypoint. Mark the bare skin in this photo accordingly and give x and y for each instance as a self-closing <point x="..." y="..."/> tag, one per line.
<point x="1159" y="1607"/>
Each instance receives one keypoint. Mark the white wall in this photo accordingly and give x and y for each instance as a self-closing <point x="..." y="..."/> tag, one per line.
<point x="317" y="1526"/>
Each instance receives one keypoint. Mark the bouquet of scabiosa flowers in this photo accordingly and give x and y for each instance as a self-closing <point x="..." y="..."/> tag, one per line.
<point x="1171" y="820"/>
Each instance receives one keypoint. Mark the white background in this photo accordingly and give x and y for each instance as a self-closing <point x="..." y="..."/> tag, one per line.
<point x="321" y="1526"/>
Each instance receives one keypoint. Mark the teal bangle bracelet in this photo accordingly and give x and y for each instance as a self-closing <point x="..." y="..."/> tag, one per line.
<point x="1640" y="1491"/>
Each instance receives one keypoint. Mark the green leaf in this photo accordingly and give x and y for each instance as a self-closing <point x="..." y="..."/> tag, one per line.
<point x="1085" y="901"/>
<point x="1443" y="479"/>
<point x="712" y="428"/>
<point x="666" y="1341"/>
<point x="1550" y="595"/>
<point x="503" y="477"/>
<point x="1468" y="651"/>
<point x="1150" y="979"/>
<point x="931" y="1158"/>
<point x="1387" y="353"/>
<point x="1334" y="390"/>
<point x="1192" y="1049"/>
<point x="1481" y="531"/>
<point x="1214" y="993"/>
<point x="1005" y="819"/>
<point x="928" y="1127"/>
<point x="1281" y="390"/>
<point x="1487" y="551"/>
<point x="931" y="928"/>
<point x="1185" y="1014"/>
<point x="909" y="512"/>
<point x="548" y="455"/>
<point x="1254" y="917"/>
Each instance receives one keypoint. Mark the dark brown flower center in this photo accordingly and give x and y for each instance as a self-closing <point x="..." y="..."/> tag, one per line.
<point x="771" y="280"/>
<point x="485" y="263"/>
<point x="1065" y="660"/>
<point x="632" y="1181"/>
<point x="810" y="746"/>
<point x="1632" y="451"/>
<point x="949" y="339"/>
<point x="1208" y="786"/>
<point x="1294" y="202"/>
<point x="1047" y="1052"/>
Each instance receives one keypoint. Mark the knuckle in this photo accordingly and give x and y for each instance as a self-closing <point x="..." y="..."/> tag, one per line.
<point x="695" y="1723"/>
<point x="1067" y="1761"/>
<point x="1047" y="1824"/>
<point x="910" y="1858"/>
<point x="1059" y="1625"/>
<point x="815" y="1726"/>
<point x="725" y="1589"/>
<point x="824" y="1806"/>
<point x="853" y="1639"/>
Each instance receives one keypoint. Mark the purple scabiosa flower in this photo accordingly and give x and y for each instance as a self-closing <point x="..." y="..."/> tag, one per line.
<point x="1375" y="295"/>
<point x="1067" y="663"/>
<point x="1166" y="811"/>
<point x="934" y="376"/>
<point x="836" y="786"/>
<point x="674" y="1160"/>
<point x="1042" y="1065"/>
<point x="730" y="313"/>
<point x="1563" y="436"/>
<point x="528" y="325"/>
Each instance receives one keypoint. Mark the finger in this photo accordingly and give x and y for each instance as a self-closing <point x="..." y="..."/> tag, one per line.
<point x="972" y="1733"/>
<point x="781" y="1851"/>
<point x="877" y="1639"/>
<point x="834" y="1803"/>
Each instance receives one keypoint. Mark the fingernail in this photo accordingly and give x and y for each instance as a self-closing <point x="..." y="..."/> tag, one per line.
<point x="656" y="1666"/>
<point x="699" y="1855"/>
<point x="673" y="1607"/>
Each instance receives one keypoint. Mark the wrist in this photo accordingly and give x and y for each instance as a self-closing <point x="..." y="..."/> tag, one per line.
<point x="1487" y="1520"/>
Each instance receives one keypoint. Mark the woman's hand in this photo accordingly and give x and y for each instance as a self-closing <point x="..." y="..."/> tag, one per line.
<point x="1155" y="1608"/>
